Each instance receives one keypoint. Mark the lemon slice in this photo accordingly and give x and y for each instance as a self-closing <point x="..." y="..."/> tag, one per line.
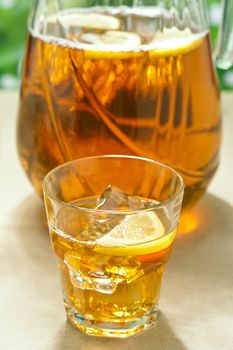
<point x="173" y="41"/>
<point x="87" y="20"/>
<point x="125" y="45"/>
<point x="137" y="234"/>
<point x="111" y="52"/>
<point x="112" y="45"/>
<point x="120" y="38"/>
<point x="116" y="39"/>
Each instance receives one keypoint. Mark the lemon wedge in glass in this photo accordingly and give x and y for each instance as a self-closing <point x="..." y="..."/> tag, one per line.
<point x="137" y="234"/>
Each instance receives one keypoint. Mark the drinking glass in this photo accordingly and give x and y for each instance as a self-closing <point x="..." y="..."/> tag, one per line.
<point x="112" y="232"/>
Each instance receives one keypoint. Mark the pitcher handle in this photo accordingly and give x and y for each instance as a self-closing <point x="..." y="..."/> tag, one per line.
<point x="224" y="50"/>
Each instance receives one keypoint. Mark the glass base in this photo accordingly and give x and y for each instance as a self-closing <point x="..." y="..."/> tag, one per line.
<point x="100" y="328"/>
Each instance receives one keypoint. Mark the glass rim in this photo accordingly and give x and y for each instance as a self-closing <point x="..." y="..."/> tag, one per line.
<point x="52" y="197"/>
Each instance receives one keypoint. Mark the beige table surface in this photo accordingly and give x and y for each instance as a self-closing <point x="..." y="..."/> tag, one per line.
<point x="197" y="295"/>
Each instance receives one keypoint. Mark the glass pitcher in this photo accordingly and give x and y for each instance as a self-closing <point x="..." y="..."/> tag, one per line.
<point x="122" y="77"/>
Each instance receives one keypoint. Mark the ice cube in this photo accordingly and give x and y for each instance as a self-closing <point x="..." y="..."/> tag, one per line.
<point x="113" y="198"/>
<point x="126" y="268"/>
<point x="102" y="223"/>
<point x="87" y="271"/>
<point x="91" y="226"/>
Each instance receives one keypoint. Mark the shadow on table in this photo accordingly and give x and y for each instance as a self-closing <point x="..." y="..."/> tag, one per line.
<point x="31" y="213"/>
<point x="30" y="226"/>
<point x="197" y="290"/>
<point x="160" y="337"/>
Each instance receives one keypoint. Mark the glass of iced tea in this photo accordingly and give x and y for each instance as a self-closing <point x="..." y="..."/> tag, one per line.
<point x="112" y="232"/>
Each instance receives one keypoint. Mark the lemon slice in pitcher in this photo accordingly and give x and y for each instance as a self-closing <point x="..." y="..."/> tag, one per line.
<point x="137" y="234"/>
<point x="90" y="20"/>
<point x="112" y="45"/>
<point x="173" y="41"/>
<point x="112" y="39"/>
<point x="120" y="38"/>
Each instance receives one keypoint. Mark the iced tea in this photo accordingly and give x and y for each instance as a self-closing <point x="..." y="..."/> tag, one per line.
<point x="101" y="81"/>
<point x="112" y="247"/>
<point x="107" y="287"/>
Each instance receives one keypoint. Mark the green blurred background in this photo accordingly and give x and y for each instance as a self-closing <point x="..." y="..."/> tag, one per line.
<point x="13" y="23"/>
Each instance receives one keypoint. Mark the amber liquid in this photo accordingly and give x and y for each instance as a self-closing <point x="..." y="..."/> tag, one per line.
<point x="106" y="291"/>
<point x="77" y="103"/>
